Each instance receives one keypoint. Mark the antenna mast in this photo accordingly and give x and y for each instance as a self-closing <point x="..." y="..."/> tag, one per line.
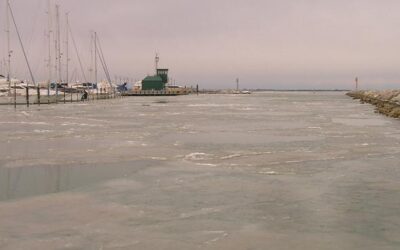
<point x="157" y="59"/>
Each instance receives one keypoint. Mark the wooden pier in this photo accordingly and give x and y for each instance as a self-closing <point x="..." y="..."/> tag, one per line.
<point x="155" y="93"/>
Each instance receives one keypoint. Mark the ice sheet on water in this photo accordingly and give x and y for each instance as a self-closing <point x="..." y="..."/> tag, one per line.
<point x="361" y="122"/>
<point x="197" y="156"/>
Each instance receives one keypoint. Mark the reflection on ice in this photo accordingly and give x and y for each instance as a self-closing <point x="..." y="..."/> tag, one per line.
<point x="30" y="181"/>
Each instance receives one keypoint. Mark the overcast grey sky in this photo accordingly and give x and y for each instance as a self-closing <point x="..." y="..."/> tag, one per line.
<point x="266" y="43"/>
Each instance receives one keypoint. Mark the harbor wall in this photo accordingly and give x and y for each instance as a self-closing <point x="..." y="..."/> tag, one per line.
<point x="387" y="102"/>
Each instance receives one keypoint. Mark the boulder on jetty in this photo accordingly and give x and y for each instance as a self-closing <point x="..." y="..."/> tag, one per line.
<point x="386" y="101"/>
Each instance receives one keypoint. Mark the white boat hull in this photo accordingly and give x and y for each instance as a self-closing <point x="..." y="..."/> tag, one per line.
<point x="44" y="99"/>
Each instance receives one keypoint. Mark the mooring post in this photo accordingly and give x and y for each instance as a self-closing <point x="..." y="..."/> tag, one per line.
<point x="27" y="95"/>
<point x="15" y="96"/>
<point x="38" y="94"/>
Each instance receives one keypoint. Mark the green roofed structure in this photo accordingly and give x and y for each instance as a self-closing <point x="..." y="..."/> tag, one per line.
<point x="158" y="81"/>
<point x="156" y="85"/>
<point x="153" y="83"/>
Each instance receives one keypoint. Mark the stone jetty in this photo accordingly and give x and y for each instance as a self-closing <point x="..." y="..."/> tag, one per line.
<point x="386" y="101"/>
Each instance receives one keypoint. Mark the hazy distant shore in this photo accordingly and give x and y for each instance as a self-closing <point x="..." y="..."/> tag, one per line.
<point x="230" y="91"/>
<point x="386" y="101"/>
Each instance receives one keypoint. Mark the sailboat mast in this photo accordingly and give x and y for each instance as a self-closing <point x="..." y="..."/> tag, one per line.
<point x="103" y="62"/>
<point x="49" y="32"/>
<point x="22" y="45"/>
<point x="8" y="47"/>
<point x="77" y="53"/>
<point x="91" y="58"/>
<point x="56" y="57"/>
<point x="95" y="57"/>
<point x="67" y="46"/>
<point x="59" y="43"/>
<point x="26" y="60"/>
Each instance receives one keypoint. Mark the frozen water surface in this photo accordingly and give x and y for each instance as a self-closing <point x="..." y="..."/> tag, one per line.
<point x="274" y="170"/>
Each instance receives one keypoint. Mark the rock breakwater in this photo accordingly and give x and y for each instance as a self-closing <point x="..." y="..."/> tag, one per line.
<point x="386" y="101"/>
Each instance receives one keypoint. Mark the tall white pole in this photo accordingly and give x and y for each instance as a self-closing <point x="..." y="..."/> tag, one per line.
<point x="356" y="80"/>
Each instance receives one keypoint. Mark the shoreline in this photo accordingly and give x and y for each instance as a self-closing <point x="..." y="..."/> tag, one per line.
<point x="387" y="102"/>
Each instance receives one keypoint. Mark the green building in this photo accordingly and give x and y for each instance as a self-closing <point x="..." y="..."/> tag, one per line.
<point x="156" y="82"/>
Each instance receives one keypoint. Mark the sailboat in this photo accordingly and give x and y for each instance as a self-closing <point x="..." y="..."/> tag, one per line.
<point x="15" y="91"/>
<point x="17" y="94"/>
